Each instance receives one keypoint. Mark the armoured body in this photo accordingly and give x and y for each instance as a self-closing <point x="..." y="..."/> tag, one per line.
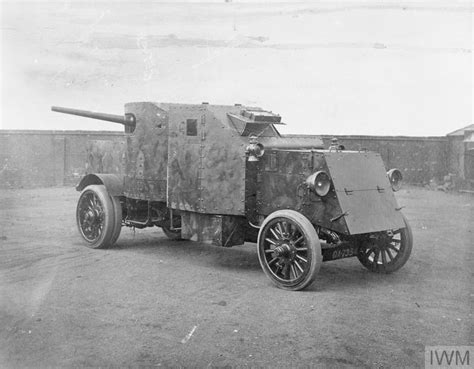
<point x="224" y="175"/>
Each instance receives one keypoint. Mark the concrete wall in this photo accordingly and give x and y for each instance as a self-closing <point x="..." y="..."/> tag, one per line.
<point x="456" y="157"/>
<point x="45" y="158"/>
<point x="419" y="158"/>
<point x="51" y="158"/>
<point x="461" y="160"/>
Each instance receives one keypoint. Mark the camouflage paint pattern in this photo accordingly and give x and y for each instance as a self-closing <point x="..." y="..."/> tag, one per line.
<point x="359" y="201"/>
<point x="219" y="230"/>
<point x="185" y="158"/>
<point x="206" y="171"/>
<point x="282" y="185"/>
<point x="147" y="152"/>
<point x="105" y="157"/>
<point x="193" y="159"/>
<point x="223" y="165"/>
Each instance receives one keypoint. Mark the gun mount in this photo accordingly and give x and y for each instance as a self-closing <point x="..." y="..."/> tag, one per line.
<point x="224" y="175"/>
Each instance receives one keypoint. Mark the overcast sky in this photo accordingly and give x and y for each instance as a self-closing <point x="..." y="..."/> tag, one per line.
<point x="378" y="68"/>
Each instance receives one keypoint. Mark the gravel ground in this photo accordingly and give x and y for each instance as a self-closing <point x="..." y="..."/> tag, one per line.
<point x="154" y="302"/>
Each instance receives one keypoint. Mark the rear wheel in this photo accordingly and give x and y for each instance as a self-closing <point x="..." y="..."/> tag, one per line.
<point x="289" y="250"/>
<point x="386" y="252"/>
<point x="117" y="219"/>
<point x="95" y="216"/>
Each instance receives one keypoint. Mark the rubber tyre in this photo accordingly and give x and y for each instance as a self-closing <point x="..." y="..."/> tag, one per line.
<point x="406" y="245"/>
<point x="301" y="227"/>
<point x="94" y="199"/>
<point x="117" y="219"/>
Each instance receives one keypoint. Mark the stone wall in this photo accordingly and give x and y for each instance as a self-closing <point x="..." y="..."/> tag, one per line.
<point x="54" y="158"/>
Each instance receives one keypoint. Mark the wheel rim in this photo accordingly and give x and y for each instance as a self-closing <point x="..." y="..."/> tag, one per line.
<point x="284" y="250"/>
<point x="383" y="249"/>
<point x="91" y="216"/>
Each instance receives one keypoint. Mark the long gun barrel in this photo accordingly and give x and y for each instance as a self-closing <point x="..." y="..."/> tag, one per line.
<point x="128" y="120"/>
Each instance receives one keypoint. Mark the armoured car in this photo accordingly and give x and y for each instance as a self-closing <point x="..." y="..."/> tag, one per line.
<point x="225" y="175"/>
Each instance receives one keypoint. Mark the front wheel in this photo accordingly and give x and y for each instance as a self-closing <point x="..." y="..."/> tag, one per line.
<point x="95" y="216"/>
<point x="386" y="252"/>
<point x="289" y="250"/>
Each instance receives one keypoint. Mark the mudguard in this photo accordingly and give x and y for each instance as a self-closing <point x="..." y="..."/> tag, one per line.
<point x="112" y="182"/>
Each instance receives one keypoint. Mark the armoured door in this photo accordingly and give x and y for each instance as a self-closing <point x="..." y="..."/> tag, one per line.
<point x="187" y="124"/>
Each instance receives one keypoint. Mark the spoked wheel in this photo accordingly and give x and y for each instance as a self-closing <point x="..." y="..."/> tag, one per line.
<point x="95" y="216"/>
<point x="289" y="250"/>
<point x="386" y="252"/>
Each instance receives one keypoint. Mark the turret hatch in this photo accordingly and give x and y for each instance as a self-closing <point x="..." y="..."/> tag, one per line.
<point x="256" y="121"/>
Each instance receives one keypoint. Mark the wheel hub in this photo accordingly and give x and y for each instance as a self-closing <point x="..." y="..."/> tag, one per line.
<point x="90" y="216"/>
<point x="289" y="250"/>
<point x="380" y="242"/>
<point x="285" y="250"/>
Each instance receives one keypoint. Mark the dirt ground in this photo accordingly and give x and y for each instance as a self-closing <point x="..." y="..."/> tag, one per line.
<point x="154" y="302"/>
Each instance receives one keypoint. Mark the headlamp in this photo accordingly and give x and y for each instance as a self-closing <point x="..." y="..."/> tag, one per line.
<point x="395" y="177"/>
<point x="319" y="182"/>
